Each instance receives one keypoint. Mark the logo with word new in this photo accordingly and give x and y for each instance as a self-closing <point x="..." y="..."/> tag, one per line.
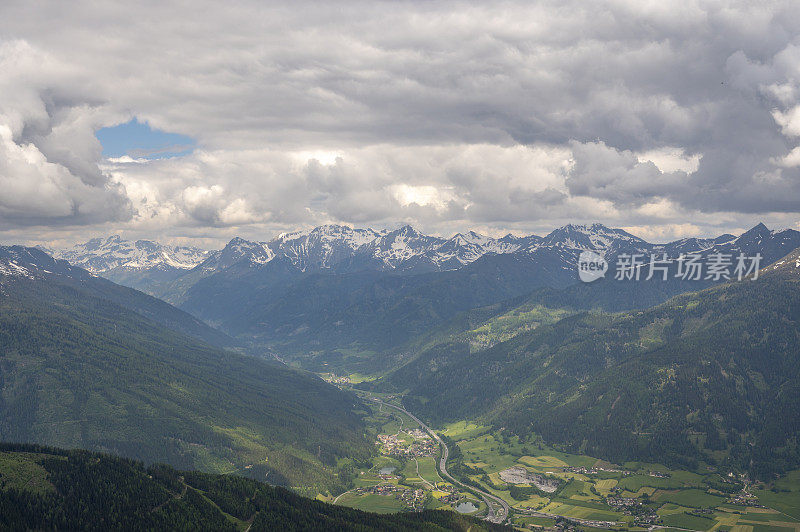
<point x="591" y="266"/>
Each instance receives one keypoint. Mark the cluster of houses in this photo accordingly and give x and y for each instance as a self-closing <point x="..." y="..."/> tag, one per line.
<point x="336" y="379"/>
<point x="448" y="493"/>
<point x="380" y="489"/>
<point x="393" y="446"/>
<point x="596" y="470"/>
<point x="414" y="499"/>
<point x="744" y="498"/>
<point x="647" y="520"/>
<point x="389" y="440"/>
<point x="642" y="516"/>
<point x="623" y="502"/>
<point x="387" y="476"/>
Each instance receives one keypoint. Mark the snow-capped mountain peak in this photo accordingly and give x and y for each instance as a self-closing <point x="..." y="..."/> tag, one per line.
<point x="100" y="255"/>
<point x="323" y="246"/>
<point x="238" y="250"/>
<point x="340" y="248"/>
<point x="595" y="237"/>
<point x="32" y="263"/>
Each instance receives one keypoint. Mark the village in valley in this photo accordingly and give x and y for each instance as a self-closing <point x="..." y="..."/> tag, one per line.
<point x="404" y="476"/>
<point x="546" y="489"/>
<point x="399" y="446"/>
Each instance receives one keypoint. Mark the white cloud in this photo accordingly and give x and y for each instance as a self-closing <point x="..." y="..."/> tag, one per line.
<point x="421" y="195"/>
<point x="48" y="152"/>
<point x="443" y="114"/>
<point x="791" y="159"/>
<point x="671" y="159"/>
<point x="789" y="121"/>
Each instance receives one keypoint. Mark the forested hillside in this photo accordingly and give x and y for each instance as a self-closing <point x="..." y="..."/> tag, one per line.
<point x="61" y="272"/>
<point x="368" y="310"/>
<point x="712" y="376"/>
<point x="44" y="488"/>
<point x="79" y="370"/>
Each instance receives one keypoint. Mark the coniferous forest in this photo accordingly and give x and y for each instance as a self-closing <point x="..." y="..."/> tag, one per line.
<point x="45" y="488"/>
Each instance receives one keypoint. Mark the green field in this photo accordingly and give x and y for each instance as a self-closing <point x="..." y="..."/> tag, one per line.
<point x="543" y="462"/>
<point x="462" y="430"/>
<point x="537" y="521"/>
<point x="487" y="452"/>
<point x="582" y="512"/>
<point x="692" y="522"/>
<point x="786" y="502"/>
<point x="486" y="449"/>
<point x="786" y="498"/>
<point x="21" y="471"/>
<point x="427" y="468"/>
<point x="382" y="504"/>
<point x="604" y="486"/>
<point x="427" y="471"/>
<point x="692" y="498"/>
<point x="508" y="325"/>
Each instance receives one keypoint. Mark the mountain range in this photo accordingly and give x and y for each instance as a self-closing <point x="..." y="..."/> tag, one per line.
<point x="312" y="294"/>
<point x="342" y="249"/>
<point x="137" y="264"/>
<point x="499" y="331"/>
<point x="328" y="247"/>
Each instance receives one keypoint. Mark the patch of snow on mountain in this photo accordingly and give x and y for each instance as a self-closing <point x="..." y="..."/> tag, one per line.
<point x="101" y="255"/>
<point x="12" y="269"/>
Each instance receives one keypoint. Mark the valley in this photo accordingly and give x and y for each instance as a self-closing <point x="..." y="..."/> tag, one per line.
<point x="527" y="483"/>
<point x="466" y="378"/>
<point x="336" y="297"/>
<point x="483" y="391"/>
<point x="400" y="266"/>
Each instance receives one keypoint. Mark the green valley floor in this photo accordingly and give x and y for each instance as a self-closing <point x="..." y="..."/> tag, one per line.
<point x="545" y="487"/>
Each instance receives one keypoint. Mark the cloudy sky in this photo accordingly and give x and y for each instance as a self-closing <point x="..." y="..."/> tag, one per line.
<point x="669" y="119"/>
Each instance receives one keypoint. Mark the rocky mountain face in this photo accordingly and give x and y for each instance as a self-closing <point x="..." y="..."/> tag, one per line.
<point x="341" y="249"/>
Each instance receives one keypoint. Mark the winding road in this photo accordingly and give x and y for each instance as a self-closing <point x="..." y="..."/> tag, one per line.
<point x="494" y="516"/>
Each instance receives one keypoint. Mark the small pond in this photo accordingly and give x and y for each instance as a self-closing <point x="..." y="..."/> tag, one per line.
<point x="465" y="507"/>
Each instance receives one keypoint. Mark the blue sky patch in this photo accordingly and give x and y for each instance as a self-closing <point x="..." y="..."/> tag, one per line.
<point x="139" y="140"/>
